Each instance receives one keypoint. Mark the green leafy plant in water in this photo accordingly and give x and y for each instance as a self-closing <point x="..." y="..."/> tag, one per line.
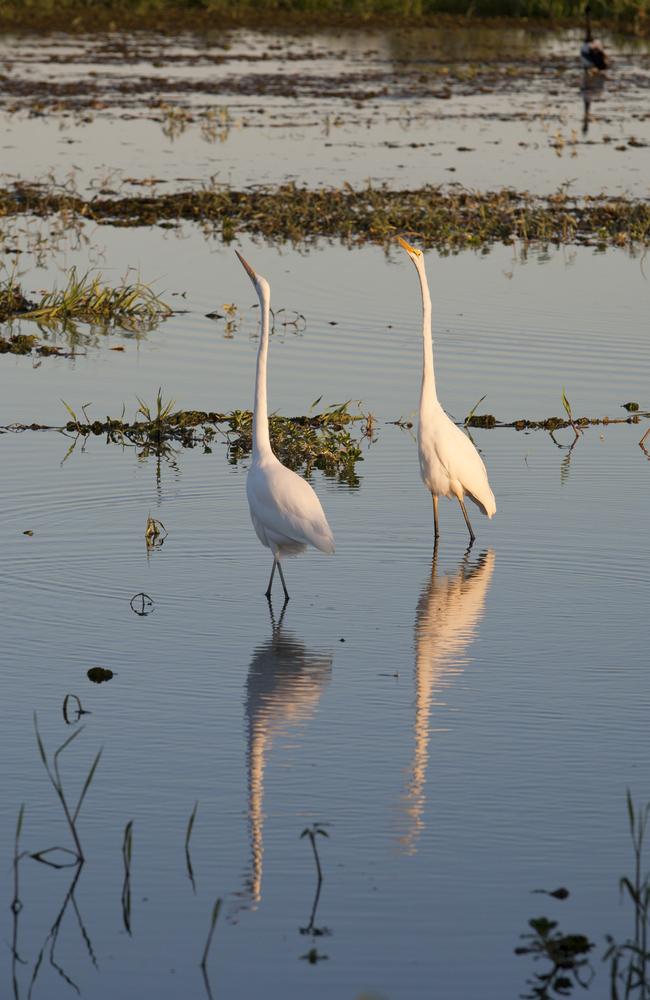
<point x="566" y="955"/>
<point x="71" y="813"/>
<point x="160" y="413"/>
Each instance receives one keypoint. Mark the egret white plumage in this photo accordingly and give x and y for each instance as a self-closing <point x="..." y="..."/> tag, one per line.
<point x="592" y="53"/>
<point x="450" y="465"/>
<point x="285" y="511"/>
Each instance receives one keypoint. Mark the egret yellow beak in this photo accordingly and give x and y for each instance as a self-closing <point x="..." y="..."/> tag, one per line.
<point x="249" y="270"/>
<point x="407" y="246"/>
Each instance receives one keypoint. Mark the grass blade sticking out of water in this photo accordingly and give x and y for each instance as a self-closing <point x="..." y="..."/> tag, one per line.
<point x="16" y="903"/>
<point x="630" y="962"/>
<point x="127" y="854"/>
<point x="54" y="775"/>
<point x="131" y="306"/>
<point x="472" y="411"/>
<point x="188" y="834"/>
<point x="208" y="944"/>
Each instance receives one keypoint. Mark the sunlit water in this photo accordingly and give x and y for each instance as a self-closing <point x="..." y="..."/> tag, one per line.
<point x="467" y="728"/>
<point x="463" y="724"/>
<point x="406" y="109"/>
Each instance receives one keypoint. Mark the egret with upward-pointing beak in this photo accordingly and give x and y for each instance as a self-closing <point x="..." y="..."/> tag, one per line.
<point x="285" y="511"/>
<point x="450" y="465"/>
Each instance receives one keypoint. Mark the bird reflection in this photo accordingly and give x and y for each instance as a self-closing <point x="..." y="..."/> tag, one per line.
<point x="284" y="685"/>
<point x="446" y="621"/>
<point x="591" y="89"/>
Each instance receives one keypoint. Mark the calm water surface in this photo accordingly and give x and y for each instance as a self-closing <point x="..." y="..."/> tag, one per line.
<point x="465" y="724"/>
<point x="472" y="736"/>
<point x="480" y="107"/>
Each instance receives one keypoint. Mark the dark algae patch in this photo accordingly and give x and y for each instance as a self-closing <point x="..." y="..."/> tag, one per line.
<point x="98" y="675"/>
<point x="446" y="218"/>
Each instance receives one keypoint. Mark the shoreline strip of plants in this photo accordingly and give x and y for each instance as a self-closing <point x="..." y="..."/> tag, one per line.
<point x="168" y="16"/>
<point x="444" y="218"/>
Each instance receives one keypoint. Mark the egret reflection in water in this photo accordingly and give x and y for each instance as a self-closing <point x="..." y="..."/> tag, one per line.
<point x="592" y="89"/>
<point x="446" y="622"/>
<point x="284" y="685"/>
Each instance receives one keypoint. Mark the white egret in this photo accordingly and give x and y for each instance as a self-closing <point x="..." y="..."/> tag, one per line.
<point x="592" y="53"/>
<point x="285" y="511"/>
<point x="450" y="465"/>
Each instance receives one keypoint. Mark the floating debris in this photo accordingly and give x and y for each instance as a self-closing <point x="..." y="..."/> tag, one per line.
<point x="72" y="705"/>
<point x="142" y="605"/>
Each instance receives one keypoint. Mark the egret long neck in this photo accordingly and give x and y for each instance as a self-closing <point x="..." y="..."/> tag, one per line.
<point x="261" y="440"/>
<point x="428" y="377"/>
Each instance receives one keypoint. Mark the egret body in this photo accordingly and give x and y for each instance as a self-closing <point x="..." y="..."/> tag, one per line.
<point x="450" y="465"/>
<point x="285" y="511"/>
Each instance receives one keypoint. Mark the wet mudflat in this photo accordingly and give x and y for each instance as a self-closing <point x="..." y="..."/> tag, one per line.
<point x="462" y="724"/>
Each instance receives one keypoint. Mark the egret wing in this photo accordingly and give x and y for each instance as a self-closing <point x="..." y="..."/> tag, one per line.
<point x="288" y="507"/>
<point x="463" y="463"/>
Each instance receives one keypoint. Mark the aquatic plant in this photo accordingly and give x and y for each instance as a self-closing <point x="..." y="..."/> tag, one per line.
<point x="25" y="343"/>
<point x="86" y="298"/>
<point x="565" y="955"/>
<point x="12" y="299"/>
<point x="70" y="812"/>
<point x="312" y="832"/>
<point x="317" y="440"/>
<point x="174" y="15"/>
<point x="446" y="218"/>
<point x="630" y="961"/>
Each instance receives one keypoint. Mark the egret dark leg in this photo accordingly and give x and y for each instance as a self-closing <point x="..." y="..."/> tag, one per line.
<point x="286" y="592"/>
<point x="435" y="518"/>
<point x="469" y="526"/>
<point x="268" y="589"/>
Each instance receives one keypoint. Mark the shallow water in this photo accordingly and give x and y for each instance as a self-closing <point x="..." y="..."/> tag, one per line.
<point x="471" y="738"/>
<point x="464" y="724"/>
<point x="477" y="108"/>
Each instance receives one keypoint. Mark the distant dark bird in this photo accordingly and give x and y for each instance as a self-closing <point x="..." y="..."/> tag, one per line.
<point x="592" y="53"/>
